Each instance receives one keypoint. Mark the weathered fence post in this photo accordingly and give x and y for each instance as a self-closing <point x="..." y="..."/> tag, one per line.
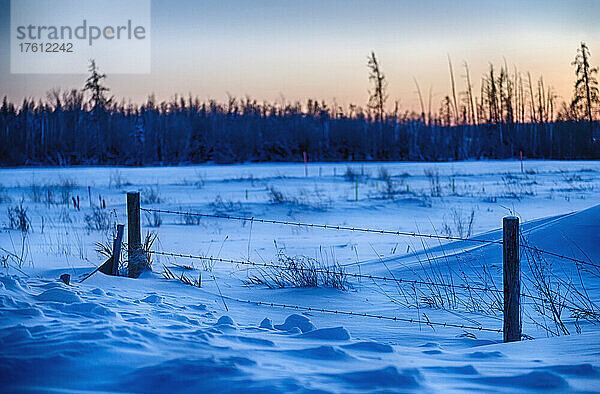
<point x="512" y="279"/>
<point x="111" y="265"/>
<point x="134" y="236"/>
<point x="117" y="249"/>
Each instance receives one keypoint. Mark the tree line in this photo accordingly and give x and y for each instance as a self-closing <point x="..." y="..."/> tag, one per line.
<point x="509" y="115"/>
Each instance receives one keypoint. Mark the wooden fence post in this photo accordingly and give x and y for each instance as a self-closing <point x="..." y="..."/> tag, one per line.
<point x="117" y="249"/>
<point x="111" y="265"/>
<point x="134" y="234"/>
<point x="512" y="279"/>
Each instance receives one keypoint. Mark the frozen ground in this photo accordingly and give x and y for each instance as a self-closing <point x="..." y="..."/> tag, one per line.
<point x="155" y="334"/>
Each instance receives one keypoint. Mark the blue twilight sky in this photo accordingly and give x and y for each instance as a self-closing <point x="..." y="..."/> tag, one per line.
<point x="300" y="49"/>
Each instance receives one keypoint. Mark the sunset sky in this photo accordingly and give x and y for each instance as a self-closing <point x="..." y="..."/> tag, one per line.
<point x="318" y="49"/>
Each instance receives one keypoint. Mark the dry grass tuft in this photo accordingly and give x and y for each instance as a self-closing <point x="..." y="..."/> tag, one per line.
<point x="168" y="274"/>
<point x="300" y="271"/>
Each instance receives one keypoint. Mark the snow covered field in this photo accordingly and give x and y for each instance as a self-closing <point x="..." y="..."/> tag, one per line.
<point x="159" y="335"/>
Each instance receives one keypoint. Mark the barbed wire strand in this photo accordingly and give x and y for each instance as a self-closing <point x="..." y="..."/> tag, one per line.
<point x="323" y="226"/>
<point x="368" y="315"/>
<point x="366" y="230"/>
<point x="365" y="276"/>
<point x="543" y="251"/>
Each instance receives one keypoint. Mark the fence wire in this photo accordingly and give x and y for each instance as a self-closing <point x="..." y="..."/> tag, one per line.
<point x="366" y="230"/>
<point x="323" y="226"/>
<point x="425" y="321"/>
<point x="365" y="276"/>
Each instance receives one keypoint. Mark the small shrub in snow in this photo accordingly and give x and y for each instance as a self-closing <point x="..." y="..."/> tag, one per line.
<point x="315" y="199"/>
<point x="35" y="192"/>
<point x="572" y="178"/>
<point x="460" y="225"/>
<point x="306" y="199"/>
<point x="117" y="180"/>
<point x="18" y="218"/>
<point x="168" y="274"/>
<point x="276" y="196"/>
<point x="433" y="176"/>
<point x="53" y="193"/>
<point x="199" y="180"/>
<point x="383" y="174"/>
<point x="249" y="177"/>
<point x="147" y="243"/>
<point x="353" y="175"/>
<point x="153" y="219"/>
<point x="390" y="188"/>
<point x="4" y="197"/>
<point x="151" y="195"/>
<point x="98" y="220"/>
<point x="490" y="199"/>
<point x="189" y="219"/>
<point x="554" y="288"/>
<point x="65" y="188"/>
<point x="220" y="206"/>
<point x="350" y="175"/>
<point x="49" y="196"/>
<point x="300" y="271"/>
<point x="517" y="187"/>
<point x="64" y="216"/>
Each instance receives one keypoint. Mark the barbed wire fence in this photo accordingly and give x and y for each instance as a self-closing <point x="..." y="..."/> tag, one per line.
<point x="364" y="230"/>
<point x="425" y="321"/>
<point x="327" y="271"/>
<point x="511" y="292"/>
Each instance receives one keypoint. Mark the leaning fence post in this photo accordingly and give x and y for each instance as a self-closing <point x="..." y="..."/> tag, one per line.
<point x="117" y="249"/>
<point x="134" y="236"/>
<point x="512" y="279"/>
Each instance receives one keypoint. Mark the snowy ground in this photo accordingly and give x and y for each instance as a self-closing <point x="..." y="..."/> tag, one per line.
<point x="154" y="334"/>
